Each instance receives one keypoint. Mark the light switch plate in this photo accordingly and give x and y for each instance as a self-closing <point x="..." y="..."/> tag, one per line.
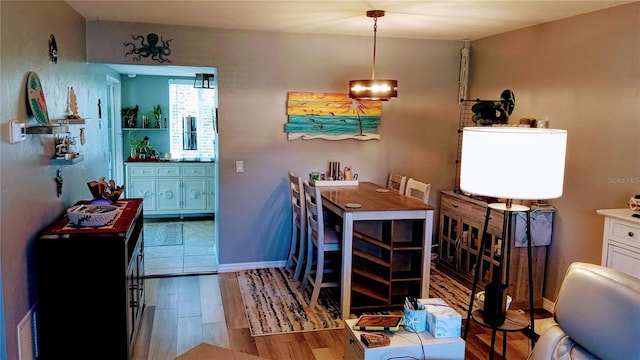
<point x="239" y="166"/>
<point x="16" y="131"/>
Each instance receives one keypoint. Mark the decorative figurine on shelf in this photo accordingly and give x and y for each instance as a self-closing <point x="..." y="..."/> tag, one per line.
<point x="130" y="115"/>
<point x="63" y="145"/>
<point x="157" y="114"/>
<point x="72" y="105"/>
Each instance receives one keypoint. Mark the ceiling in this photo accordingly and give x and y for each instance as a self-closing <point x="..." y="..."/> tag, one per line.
<point x="438" y="20"/>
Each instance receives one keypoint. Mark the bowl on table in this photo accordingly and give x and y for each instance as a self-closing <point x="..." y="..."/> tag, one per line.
<point x="480" y="300"/>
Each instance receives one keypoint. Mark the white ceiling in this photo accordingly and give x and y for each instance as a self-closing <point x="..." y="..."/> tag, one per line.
<point x="439" y="20"/>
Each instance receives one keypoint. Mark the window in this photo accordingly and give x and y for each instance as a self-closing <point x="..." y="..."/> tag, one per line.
<point x="186" y="101"/>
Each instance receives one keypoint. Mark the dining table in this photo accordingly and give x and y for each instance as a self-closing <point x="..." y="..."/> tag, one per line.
<point x="369" y="201"/>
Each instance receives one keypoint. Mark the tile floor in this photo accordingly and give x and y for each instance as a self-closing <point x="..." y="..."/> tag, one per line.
<point x="196" y="255"/>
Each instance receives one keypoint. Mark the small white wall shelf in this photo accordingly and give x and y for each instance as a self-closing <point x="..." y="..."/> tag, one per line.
<point x="75" y="160"/>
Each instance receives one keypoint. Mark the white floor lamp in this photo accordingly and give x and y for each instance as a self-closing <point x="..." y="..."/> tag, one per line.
<point x="510" y="163"/>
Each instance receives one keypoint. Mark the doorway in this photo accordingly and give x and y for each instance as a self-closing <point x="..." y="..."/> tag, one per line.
<point x="197" y="250"/>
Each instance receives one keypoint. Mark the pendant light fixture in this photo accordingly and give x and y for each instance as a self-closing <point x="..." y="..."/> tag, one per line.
<point x="373" y="89"/>
<point x="203" y="81"/>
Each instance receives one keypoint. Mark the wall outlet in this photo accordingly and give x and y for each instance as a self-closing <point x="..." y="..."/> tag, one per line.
<point x="26" y="336"/>
<point x="239" y="166"/>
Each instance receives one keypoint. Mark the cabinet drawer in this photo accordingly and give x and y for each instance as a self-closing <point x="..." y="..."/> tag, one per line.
<point x="353" y="348"/>
<point x="168" y="171"/>
<point x="142" y="171"/>
<point x="454" y="204"/>
<point x="625" y="232"/>
<point x="194" y="171"/>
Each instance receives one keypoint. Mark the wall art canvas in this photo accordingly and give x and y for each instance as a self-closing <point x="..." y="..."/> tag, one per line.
<point x="331" y="116"/>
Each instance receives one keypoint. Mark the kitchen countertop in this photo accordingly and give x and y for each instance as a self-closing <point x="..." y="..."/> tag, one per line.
<point x="208" y="160"/>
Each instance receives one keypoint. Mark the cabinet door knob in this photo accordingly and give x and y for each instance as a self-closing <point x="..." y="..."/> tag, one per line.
<point x="351" y="341"/>
<point x="630" y="233"/>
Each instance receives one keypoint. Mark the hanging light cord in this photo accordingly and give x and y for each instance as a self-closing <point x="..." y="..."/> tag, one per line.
<point x="375" y="31"/>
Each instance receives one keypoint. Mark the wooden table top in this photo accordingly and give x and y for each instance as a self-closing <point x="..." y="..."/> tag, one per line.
<point x="371" y="198"/>
<point x="130" y="208"/>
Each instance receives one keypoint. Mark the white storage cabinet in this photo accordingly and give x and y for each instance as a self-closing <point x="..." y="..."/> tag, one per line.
<point x="621" y="240"/>
<point x="172" y="188"/>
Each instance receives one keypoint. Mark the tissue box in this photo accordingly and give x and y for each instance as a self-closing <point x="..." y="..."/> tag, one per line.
<point x="442" y="320"/>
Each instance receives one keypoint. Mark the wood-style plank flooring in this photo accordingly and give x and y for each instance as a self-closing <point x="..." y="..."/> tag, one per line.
<point x="183" y="311"/>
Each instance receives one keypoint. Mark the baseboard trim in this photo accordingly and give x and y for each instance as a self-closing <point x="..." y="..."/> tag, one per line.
<point x="222" y="268"/>
<point x="548" y="305"/>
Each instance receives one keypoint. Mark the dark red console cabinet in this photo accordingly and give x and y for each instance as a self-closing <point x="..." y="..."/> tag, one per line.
<point x="90" y="284"/>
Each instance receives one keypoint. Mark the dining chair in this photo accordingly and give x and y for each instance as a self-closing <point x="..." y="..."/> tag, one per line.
<point x="323" y="240"/>
<point x="418" y="190"/>
<point x="396" y="181"/>
<point x="298" y="226"/>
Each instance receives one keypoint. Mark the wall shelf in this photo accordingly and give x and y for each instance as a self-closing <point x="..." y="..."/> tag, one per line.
<point x="141" y="129"/>
<point x="46" y="129"/>
<point x="75" y="160"/>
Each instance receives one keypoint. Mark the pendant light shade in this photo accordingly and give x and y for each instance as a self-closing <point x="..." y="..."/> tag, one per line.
<point x="203" y="81"/>
<point x="373" y="89"/>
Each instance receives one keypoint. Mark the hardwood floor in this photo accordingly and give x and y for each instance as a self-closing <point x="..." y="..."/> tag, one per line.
<point x="183" y="311"/>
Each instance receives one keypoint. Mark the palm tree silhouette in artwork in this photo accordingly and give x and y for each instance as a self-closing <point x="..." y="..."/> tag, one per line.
<point x="358" y="107"/>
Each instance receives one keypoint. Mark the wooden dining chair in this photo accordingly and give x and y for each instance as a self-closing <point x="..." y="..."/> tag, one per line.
<point x="418" y="190"/>
<point x="396" y="182"/>
<point x="298" y="245"/>
<point x="323" y="240"/>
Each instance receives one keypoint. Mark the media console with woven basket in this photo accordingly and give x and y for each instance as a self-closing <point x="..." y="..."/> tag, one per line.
<point x="98" y="317"/>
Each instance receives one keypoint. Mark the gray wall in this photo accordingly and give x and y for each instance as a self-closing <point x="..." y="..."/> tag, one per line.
<point x="28" y="191"/>
<point x="583" y="75"/>
<point x="256" y="70"/>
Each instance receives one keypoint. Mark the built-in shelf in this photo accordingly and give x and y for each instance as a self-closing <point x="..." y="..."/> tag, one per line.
<point x="75" y="160"/>
<point x="145" y="129"/>
<point x="74" y="120"/>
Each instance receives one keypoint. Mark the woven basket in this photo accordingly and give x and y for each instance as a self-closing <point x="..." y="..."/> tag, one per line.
<point x="91" y="215"/>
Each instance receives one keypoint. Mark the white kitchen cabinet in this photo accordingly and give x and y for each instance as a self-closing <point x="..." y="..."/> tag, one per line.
<point x="172" y="188"/>
<point x="621" y="240"/>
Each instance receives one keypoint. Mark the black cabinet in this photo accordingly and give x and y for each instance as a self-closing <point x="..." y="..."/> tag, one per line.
<point x="90" y="284"/>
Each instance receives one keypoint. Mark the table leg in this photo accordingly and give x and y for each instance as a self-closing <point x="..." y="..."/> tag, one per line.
<point x="426" y="259"/>
<point x="347" y="252"/>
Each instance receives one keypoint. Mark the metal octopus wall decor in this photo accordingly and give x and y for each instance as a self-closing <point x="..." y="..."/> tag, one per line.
<point x="150" y="48"/>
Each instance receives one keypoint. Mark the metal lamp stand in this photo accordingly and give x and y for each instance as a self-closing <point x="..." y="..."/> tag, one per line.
<point x="508" y="209"/>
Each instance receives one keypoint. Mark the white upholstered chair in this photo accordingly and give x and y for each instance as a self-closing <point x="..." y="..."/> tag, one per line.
<point x="321" y="240"/>
<point x="418" y="190"/>
<point x="298" y="248"/>
<point x="396" y="182"/>
<point x="597" y="316"/>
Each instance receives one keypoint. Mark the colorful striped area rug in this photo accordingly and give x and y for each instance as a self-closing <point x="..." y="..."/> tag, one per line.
<point x="274" y="303"/>
<point x="451" y="291"/>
